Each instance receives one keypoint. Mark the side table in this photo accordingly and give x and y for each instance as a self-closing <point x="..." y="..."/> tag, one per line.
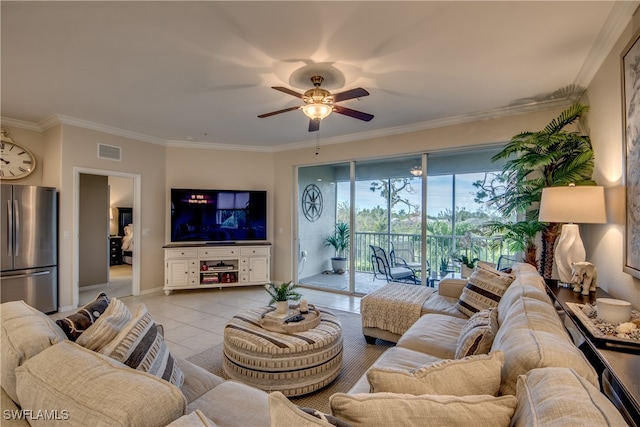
<point x="619" y="369"/>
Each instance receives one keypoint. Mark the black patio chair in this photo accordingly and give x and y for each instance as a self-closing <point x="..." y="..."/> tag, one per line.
<point x="505" y="262"/>
<point x="391" y="272"/>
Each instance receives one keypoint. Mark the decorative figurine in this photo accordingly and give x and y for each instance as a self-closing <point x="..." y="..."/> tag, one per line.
<point x="585" y="275"/>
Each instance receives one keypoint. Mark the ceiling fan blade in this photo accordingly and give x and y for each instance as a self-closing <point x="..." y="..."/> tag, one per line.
<point x="287" y="91"/>
<point x="314" y="125"/>
<point x="350" y="94"/>
<point x="352" y="113"/>
<point x="273" y="113"/>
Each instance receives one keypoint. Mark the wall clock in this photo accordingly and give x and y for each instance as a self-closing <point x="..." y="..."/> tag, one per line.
<point x="312" y="202"/>
<point x="16" y="161"/>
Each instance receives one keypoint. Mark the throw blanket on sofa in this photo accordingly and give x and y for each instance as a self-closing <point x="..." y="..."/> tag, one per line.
<point x="394" y="307"/>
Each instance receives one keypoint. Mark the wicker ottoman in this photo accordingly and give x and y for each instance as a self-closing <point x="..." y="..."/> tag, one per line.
<point x="293" y="364"/>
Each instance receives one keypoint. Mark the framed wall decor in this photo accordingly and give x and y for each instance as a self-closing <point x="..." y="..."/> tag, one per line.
<point x="631" y="133"/>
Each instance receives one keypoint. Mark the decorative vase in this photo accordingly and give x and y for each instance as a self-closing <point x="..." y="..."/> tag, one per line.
<point x="282" y="307"/>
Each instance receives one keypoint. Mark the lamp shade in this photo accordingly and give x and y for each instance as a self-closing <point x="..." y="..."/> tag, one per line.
<point x="574" y="204"/>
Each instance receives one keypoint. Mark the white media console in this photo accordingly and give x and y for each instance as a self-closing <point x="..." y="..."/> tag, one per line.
<point x="194" y="266"/>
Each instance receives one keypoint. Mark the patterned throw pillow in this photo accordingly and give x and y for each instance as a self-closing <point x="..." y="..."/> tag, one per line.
<point x="75" y="324"/>
<point x="484" y="290"/>
<point x="141" y="346"/>
<point x="476" y="336"/>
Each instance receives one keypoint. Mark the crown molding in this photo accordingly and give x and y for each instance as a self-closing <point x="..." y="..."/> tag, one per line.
<point x="620" y="15"/>
<point x="495" y="113"/>
<point x="21" y="124"/>
<point x="218" y="146"/>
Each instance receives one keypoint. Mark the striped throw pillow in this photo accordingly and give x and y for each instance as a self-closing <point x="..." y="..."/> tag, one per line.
<point x="484" y="290"/>
<point x="476" y="336"/>
<point x="140" y="345"/>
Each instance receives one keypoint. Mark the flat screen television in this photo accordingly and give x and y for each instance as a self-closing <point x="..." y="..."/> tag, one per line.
<point x="199" y="215"/>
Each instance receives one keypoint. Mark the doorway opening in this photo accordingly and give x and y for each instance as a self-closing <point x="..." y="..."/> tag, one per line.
<point x="106" y="211"/>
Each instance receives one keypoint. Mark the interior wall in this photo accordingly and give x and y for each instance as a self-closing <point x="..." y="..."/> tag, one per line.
<point x="216" y="169"/>
<point x="79" y="150"/>
<point x="605" y="243"/>
<point x="93" y="253"/>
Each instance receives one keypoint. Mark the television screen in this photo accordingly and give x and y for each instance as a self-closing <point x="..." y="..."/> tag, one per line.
<point x="218" y="215"/>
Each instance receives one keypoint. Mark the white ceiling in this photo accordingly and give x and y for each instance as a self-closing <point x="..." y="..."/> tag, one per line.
<point x="183" y="72"/>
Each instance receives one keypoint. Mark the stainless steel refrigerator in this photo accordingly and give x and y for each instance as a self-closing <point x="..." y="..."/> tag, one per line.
<point x="29" y="252"/>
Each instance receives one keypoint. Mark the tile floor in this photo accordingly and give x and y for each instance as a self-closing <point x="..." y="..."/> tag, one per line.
<point x="194" y="320"/>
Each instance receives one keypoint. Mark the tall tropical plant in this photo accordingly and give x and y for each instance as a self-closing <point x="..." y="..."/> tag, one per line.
<point x="519" y="236"/>
<point x="547" y="158"/>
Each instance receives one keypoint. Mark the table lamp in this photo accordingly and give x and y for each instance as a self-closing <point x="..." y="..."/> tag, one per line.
<point x="571" y="205"/>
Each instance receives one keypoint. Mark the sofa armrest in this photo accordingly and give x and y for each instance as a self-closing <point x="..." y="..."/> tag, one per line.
<point x="451" y="287"/>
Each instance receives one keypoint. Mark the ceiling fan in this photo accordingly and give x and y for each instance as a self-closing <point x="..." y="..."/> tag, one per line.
<point x="319" y="103"/>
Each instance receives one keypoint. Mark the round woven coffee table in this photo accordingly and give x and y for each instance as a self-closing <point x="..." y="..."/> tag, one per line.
<point x="294" y="363"/>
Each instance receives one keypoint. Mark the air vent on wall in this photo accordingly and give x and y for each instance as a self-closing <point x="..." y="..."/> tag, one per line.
<point x="109" y="152"/>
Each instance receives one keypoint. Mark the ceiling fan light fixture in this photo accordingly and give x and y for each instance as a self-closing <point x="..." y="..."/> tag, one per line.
<point x="416" y="171"/>
<point x="317" y="111"/>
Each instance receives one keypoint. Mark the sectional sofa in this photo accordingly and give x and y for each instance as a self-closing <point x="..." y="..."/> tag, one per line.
<point x="515" y="365"/>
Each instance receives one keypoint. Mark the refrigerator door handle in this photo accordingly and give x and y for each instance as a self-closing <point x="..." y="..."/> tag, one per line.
<point x="22" y="276"/>
<point x="17" y="224"/>
<point x="9" y="229"/>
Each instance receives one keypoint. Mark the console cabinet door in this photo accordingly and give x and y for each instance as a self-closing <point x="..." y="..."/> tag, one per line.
<point x="259" y="269"/>
<point x="177" y="273"/>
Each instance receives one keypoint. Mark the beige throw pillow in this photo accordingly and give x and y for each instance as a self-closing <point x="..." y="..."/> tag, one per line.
<point x="484" y="290"/>
<point x="476" y="336"/>
<point x="141" y="346"/>
<point x="472" y="375"/>
<point x="284" y="413"/>
<point x="390" y="409"/>
<point x="106" y="327"/>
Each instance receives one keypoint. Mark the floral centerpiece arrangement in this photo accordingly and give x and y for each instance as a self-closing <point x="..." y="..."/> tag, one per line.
<point x="282" y="294"/>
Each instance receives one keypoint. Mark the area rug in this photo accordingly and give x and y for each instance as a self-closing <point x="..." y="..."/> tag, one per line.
<point x="357" y="357"/>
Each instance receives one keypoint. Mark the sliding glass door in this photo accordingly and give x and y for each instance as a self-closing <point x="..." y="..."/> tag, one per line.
<point x="358" y="219"/>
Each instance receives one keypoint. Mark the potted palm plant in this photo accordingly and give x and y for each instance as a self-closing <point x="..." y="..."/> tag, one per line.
<point x="282" y="294"/>
<point x="547" y="158"/>
<point x="339" y="241"/>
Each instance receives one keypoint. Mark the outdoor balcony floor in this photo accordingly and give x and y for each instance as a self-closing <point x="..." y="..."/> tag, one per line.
<point x="364" y="282"/>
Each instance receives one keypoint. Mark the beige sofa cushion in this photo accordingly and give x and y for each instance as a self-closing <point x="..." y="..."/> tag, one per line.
<point x="25" y="332"/>
<point x="95" y="390"/>
<point x="194" y="419"/>
<point x="484" y="290"/>
<point x="460" y="377"/>
<point x="434" y="334"/>
<point x="216" y="404"/>
<point x="476" y="336"/>
<point x="390" y="409"/>
<point x="553" y="397"/>
<point x="395" y="358"/>
<point x="197" y="381"/>
<point x="532" y="336"/>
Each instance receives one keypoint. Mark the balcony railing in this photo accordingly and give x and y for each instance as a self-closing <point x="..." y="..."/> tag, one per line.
<point x="487" y="249"/>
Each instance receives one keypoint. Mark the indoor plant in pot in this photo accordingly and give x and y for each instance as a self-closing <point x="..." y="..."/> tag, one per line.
<point x="282" y="294"/>
<point x="339" y="241"/>
<point x="466" y="265"/>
